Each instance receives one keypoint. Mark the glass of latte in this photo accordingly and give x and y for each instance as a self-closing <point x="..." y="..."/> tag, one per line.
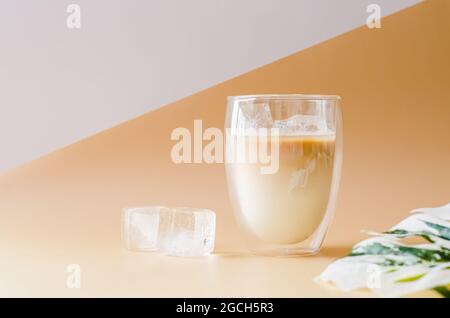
<point x="283" y="164"/>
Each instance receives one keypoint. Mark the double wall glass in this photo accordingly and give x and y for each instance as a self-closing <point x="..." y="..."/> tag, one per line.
<point x="283" y="164"/>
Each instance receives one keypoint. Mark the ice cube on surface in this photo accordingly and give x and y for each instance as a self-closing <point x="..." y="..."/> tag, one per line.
<point x="140" y="227"/>
<point x="172" y="231"/>
<point x="302" y="124"/>
<point x="188" y="232"/>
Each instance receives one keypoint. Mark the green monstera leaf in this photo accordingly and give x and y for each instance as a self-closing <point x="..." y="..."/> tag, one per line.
<point x="391" y="268"/>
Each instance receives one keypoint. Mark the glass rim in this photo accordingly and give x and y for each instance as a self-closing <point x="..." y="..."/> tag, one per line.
<point x="284" y="97"/>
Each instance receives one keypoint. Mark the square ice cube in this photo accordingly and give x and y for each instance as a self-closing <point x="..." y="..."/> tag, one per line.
<point x="187" y="232"/>
<point x="177" y="231"/>
<point x="140" y="227"/>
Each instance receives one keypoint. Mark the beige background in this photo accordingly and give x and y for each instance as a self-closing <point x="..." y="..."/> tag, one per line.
<point x="65" y="207"/>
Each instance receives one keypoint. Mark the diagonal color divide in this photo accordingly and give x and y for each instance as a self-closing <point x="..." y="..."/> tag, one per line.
<point x="60" y="85"/>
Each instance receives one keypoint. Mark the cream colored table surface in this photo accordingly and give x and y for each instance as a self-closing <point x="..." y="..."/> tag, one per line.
<point x="34" y="270"/>
<point x="65" y="208"/>
<point x="118" y="273"/>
